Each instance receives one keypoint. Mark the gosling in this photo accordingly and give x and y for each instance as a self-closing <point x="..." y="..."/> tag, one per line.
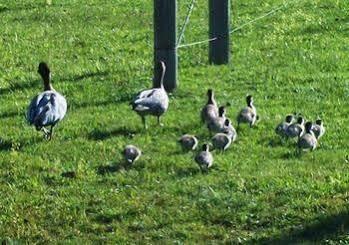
<point x="307" y="141"/>
<point x="248" y="114"/>
<point x="131" y="154"/>
<point x="215" y="125"/>
<point x="296" y="129"/>
<point x="282" y="127"/>
<point x="188" y="142"/>
<point x="204" y="158"/>
<point x="221" y="141"/>
<point x="229" y="130"/>
<point x="318" y="129"/>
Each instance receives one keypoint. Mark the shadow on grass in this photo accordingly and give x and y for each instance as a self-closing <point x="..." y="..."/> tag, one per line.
<point x="122" y="98"/>
<point x="8" y="145"/>
<point x="11" y="114"/>
<point x="5" y="145"/>
<point x="324" y="228"/>
<point x="187" y="172"/>
<point x="122" y="166"/>
<point x="87" y="75"/>
<point x="19" y="86"/>
<point x="111" y="168"/>
<point x="97" y="134"/>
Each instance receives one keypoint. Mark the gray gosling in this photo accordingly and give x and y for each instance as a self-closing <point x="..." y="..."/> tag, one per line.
<point x="248" y="114"/>
<point x="221" y="141"/>
<point x="210" y="110"/>
<point x="131" y="154"/>
<point x="215" y="125"/>
<point x="282" y="127"/>
<point x="188" y="142"/>
<point x="296" y="129"/>
<point x="229" y="130"/>
<point x="308" y="141"/>
<point x="204" y="158"/>
<point x="318" y="129"/>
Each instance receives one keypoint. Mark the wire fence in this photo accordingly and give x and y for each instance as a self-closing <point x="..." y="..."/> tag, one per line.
<point x="187" y="19"/>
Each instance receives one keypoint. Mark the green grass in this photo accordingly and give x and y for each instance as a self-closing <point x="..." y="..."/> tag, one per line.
<point x="101" y="54"/>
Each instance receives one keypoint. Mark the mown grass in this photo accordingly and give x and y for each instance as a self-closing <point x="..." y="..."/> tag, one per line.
<point x="100" y="53"/>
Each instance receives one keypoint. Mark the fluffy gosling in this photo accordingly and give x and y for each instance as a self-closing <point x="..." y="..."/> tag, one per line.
<point x="296" y="129"/>
<point x="188" y="142"/>
<point x="215" y="125"/>
<point x="204" y="158"/>
<point x="318" y="129"/>
<point x="229" y="130"/>
<point x="221" y="141"/>
<point x="131" y="154"/>
<point x="308" y="140"/>
<point x="282" y="127"/>
<point x="248" y="114"/>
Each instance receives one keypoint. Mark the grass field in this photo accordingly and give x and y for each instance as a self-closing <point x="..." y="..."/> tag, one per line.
<point x="100" y="52"/>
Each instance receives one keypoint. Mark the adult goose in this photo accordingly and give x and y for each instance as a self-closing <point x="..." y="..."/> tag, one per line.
<point x="153" y="101"/>
<point x="47" y="108"/>
<point x="248" y="114"/>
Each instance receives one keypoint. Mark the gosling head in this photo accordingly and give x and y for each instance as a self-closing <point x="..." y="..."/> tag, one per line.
<point x="45" y="73"/>
<point x="205" y="147"/>
<point x="210" y="96"/>
<point x="308" y="127"/>
<point x="289" y="118"/>
<point x="227" y="122"/>
<point x="300" y="120"/>
<point x="318" y="122"/>
<point x="249" y="100"/>
<point x="221" y="111"/>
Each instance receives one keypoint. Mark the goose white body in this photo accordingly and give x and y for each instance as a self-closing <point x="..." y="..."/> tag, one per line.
<point x="46" y="109"/>
<point x="151" y="102"/>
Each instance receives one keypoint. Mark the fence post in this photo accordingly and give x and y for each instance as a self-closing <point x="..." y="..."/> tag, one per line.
<point x="165" y="35"/>
<point x="219" y="27"/>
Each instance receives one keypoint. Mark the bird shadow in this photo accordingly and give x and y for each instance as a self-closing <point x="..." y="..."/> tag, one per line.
<point x="9" y="114"/>
<point x="18" y="86"/>
<point x="291" y="155"/>
<point x="272" y="142"/>
<point x="87" y="75"/>
<point x="187" y="172"/>
<point x="119" y="99"/>
<point x="21" y="86"/>
<point x="98" y="134"/>
<point x="8" y="145"/>
<point x="324" y="228"/>
<point x="110" y="168"/>
<point x="5" y="145"/>
<point x="118" y="167"/>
